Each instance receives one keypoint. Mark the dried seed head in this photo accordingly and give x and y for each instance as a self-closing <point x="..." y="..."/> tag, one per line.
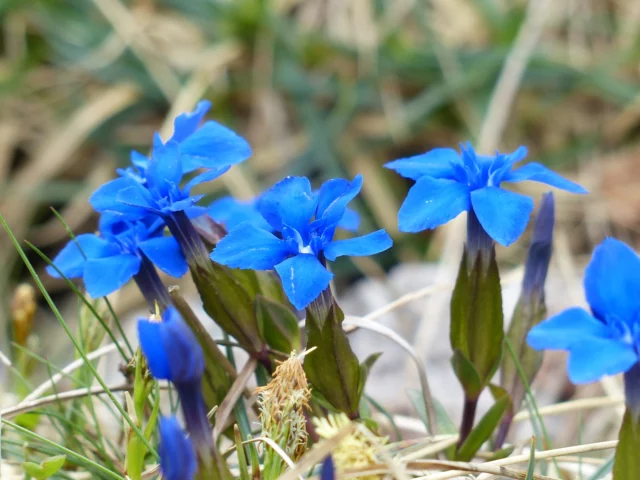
<point x="23" y="309"/>
<point x="282" y="404"/>
<point x="357" y="450"/>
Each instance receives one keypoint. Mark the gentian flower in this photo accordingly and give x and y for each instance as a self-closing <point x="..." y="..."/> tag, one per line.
<point x="174" y="354"/>
<point x="605" y="341"/>
<point x="123" y="250"/>
<point x="177" y="457"/>
<point x="304" y="225"/>
<point x="449" y="183"/>
<point x="231" y="212"/>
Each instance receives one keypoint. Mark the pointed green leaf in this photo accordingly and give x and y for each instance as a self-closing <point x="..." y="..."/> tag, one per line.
<point x="467" y="375"/>
<point x="278" y="324"/>
<point x="626" y="465"/>
<point x="333" y="369"/>
<point x="445" y="424"/>
<point x="483" y="430"/>
<point x="365" y="368"/>
<point x="47" y="468"/>
<point x="460" y="309"/>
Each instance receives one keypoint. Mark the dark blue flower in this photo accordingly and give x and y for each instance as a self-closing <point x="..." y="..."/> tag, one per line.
<point x="171" y="349"/>
<point x="155" y="184"/>
<point x="174" y="354"/>
<point x="304" y="224"/>
<point x="177" y="456"/>
<point x="109" y="260"/>
<point x="607" y="340"/>
<point x="449" y="183"/>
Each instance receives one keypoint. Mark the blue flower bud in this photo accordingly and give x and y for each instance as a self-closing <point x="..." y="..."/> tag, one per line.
<point x="177" y="456"/>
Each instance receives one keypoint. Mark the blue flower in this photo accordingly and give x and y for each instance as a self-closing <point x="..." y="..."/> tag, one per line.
<point x="177" y="456"/>
<point x="122" y="250"/>
<point x="171" y="349"/>
<point x="154" y="185"/>
<point x="448" y="183"/>
<point x="304" y="226"/>
<point x="231" y="212"/>
<point x="607" y="340"/>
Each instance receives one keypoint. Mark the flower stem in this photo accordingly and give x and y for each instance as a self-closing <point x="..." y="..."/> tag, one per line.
<point x="152" y="288"/>
<point x="468" y="418"/>
<point x="478" y="240"/>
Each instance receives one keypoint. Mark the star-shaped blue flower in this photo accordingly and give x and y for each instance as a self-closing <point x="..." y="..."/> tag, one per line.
<point x="303" y="226"/>
<point x="154" y="184"/>
<point x="109" y="260"/>
<point x="177" y="456"/>
<point x="449" y="183"/>
<point x="605" y="341"/>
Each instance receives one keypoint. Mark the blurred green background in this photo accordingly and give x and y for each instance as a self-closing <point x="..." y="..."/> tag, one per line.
<point x="322" y="88"/>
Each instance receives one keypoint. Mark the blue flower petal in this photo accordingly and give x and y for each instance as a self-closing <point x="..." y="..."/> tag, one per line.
<point x="333" y="197"/>
<point x="431" y="203"/>
<point x="303" y="279"/>
<point x="251" y="248"/>
<point x="369" y="244"/>
<point x="436" y="163"/>
<point x="289" y="202"/>
<point x="184" y="204"/>
<point x="138" y="160"/>
<point x="232" y="212"/>
<point x="177" y="455"/>
<point x="612" y="281"/>
<point x="350" y="220"/>
<point x="503" y="215"/>
<point x="213" y="146"/>
<point x="187" y="359"/>
<point x="150" y="338"/>
<point x="206" y="176"/>
<point x="71" y="259"/>
<point x="537" y="172"/>
<point x="166" y="254"/>
<point x="138" y="199"/>
<point x="593" y="358"/>
<point x="105" y="275"/>
<point x="105" y="198"/>
<point x="565" y="329"/>
<point x="165" y="168"/>
<point x="327" y="471"/>
<point x="187" y="123"/>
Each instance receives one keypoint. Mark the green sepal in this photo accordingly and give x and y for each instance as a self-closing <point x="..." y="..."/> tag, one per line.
<point x="483" y="430"/>
<point x="626" y="465"/>
<point x="278" y="325"/>
<point x="333" y="369"/>
<point x="476" y="315"/>
<point x="467" y="375"/>
<point x="45" y="469"/>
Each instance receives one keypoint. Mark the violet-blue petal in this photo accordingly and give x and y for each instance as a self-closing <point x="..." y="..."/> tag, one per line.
<point x="565" y="329"/>
<point x="612" y="281"/>
<point x="365" y="245"/>
<point x="432" y="202"/>
<point x="166" y="254"/>
<point x="213" y="146"/>
<point x="150" y="338"/>
<point x="138" y="198"/>
<point x="289" y="202"/>
<point x="333" y="197"/>
<point x="184" y="204"/>
<point x="249" y="247"/>
<point x="517" y="155"/>
<point x="187" y="123"/>
<point x="138" y="160"/>
<point x="232" y="212"/>
<point x="187" y="360"/>
<point x="205" y="176"/>
<point x="105" y="198"/>
<point x="350" y="220"/>
<point x="71" y="259"/>
<point x="436" y="163"/>
<point x="165" y="168"/>
<point x="303" y="278"/>
<point x="177" y="455"/>
<point x="593" y="358"/>
<point x="537" y="172"/>
<point x="106" y="275"/>
<point x="503" y="215"/>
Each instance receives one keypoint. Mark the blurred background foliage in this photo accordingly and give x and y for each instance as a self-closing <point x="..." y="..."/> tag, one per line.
<point x="322" y="88"/>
